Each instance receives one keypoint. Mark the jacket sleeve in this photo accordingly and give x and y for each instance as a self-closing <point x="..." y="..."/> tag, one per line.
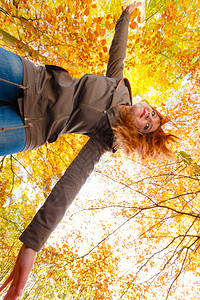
<point x="62" y="195"/>
<point x="117" y="51"/>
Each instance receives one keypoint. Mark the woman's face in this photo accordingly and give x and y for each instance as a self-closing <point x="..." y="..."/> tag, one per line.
<point x="145" y="118"/>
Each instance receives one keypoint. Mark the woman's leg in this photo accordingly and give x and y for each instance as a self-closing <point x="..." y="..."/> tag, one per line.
<point x="11" y="69"/>
<point x="11" y="141"/>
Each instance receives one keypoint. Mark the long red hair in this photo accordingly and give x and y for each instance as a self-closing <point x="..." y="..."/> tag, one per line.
<point x="146" y="145"/>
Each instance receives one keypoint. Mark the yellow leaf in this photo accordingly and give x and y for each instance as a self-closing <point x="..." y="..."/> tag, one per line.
<point x="107" y="24"/>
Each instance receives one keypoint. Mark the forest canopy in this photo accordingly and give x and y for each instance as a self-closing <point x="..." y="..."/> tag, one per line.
<point x="133" y="231"/>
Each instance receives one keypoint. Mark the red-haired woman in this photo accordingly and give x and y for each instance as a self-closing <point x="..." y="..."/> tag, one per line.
<point x="52" y="103"/>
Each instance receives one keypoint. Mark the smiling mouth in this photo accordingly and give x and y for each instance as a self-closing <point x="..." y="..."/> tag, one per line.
<point x="143" y="113"/>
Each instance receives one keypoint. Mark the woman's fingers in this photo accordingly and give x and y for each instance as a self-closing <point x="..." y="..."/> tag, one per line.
<point x="13" y="273"/>
<point x="11" y="294"/>
<point x="133" y="6"/>
<point x="8" y="280"/>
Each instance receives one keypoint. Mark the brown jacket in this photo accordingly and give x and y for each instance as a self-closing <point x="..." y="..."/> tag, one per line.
<point x="54" y="104"/>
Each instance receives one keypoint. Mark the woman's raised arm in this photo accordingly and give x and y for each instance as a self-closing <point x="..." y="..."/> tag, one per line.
<point x="117" y="51"/>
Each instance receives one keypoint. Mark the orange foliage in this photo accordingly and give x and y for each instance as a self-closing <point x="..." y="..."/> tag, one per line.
<point x="147" y="235"/>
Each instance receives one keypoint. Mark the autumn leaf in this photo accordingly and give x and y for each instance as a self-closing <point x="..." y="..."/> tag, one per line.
<point x="133" y="25"/>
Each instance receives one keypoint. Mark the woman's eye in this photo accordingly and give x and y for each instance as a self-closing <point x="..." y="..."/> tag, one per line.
<point x="147" y="126"/>
<point x="153" y="113"/>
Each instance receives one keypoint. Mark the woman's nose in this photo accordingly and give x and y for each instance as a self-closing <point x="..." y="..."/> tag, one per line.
<point x="147" y="115"/>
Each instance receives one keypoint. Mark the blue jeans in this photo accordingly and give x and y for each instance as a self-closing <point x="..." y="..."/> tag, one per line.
<point x="11" y="69"/>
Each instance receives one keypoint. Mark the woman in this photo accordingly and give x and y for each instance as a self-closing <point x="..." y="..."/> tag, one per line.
<point x="51" y="103"/>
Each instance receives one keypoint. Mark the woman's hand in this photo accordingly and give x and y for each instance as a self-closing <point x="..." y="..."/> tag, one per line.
<point x="133" y="6"/>
<point x="20" y="273"/>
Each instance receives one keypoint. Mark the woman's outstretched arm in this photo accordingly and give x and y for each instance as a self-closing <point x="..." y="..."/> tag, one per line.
<point x="50" y="214"/>
<point x="117" y="51"/>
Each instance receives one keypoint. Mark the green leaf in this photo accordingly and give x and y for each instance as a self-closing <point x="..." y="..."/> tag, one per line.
<point x="185" y="157"/>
